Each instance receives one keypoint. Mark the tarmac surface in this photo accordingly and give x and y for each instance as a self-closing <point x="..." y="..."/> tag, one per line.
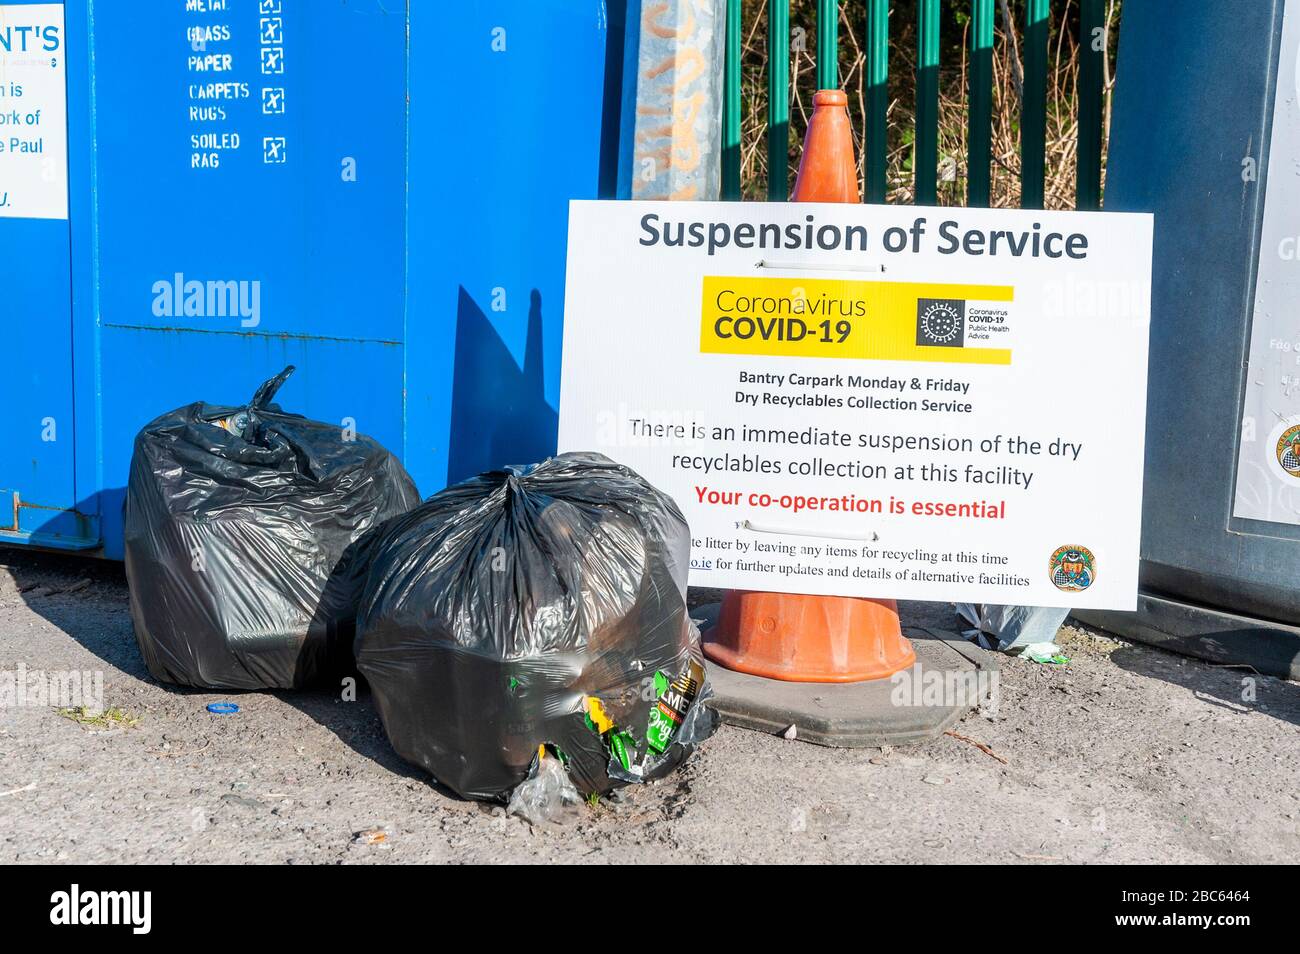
<point x="1125" y="754"/>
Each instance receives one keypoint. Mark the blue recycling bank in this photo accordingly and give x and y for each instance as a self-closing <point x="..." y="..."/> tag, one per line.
<point x="373" y="191"/>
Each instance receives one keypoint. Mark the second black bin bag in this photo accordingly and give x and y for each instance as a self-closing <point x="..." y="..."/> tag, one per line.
<point x="245" y="536"/>
<point x="504" y="611"/>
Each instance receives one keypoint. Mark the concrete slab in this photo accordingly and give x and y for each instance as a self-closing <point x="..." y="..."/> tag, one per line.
<point x="951" y="677"/>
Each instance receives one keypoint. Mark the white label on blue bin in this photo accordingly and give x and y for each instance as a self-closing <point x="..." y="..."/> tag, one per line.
<point x="33" y="112"/>
<point x="1268" y="461"/>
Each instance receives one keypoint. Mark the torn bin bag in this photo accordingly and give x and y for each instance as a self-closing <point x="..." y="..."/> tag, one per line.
<point x="536" y="606"/>
<point x="244" y="536"/>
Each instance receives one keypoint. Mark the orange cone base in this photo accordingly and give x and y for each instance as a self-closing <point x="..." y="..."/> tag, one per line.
<point x="808" y="638"/>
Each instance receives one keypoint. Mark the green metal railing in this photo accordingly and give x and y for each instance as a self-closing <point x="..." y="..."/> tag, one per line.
<point x="1092" y="79"/>
<point x="731" y="103"/>
<point x="979" y="140"/>
<point x="1033" y="118"/>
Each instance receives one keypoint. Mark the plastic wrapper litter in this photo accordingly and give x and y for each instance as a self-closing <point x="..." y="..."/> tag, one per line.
<point x="536" y="606"/>
<point x="246" y="532"/>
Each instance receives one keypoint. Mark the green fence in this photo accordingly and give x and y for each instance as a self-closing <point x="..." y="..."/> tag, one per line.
<point x="875" y="33"/>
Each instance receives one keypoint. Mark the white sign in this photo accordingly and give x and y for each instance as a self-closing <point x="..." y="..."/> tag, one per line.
<point x="33" y="112"/>
<point x="883" y="401"/>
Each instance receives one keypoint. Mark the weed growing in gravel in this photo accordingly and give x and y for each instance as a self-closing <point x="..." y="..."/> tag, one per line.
<point x="110" y="718"/>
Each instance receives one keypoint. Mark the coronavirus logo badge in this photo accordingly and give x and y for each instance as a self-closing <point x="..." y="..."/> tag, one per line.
<point x="941" y="322"/>
<point x="1288" y="450"/>
<point x="1072" y="568"/>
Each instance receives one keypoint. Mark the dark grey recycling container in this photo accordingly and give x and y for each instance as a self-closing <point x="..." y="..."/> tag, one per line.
<point x="1199" y="92"/>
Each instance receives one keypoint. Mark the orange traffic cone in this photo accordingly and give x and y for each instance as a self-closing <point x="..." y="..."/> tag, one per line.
<point x="809" y="638"/>
<point x="827" y="170"/>
<point x="789" y="636"/>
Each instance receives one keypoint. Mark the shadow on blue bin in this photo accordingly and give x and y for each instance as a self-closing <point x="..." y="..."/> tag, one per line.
<point x="499" y="413"/>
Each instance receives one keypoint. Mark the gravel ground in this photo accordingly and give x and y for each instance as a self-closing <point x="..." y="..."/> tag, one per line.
<point x="1127" y="754"/>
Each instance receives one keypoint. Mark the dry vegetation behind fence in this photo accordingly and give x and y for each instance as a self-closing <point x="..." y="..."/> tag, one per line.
<point x="1062" y="101"/>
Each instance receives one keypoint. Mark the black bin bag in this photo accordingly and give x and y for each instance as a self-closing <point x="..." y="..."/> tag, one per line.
<point x="246" y="531"/>
<point x="540" y="606"/>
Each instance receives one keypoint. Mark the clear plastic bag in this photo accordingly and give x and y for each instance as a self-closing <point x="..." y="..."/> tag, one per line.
<point x="547" y="795"/>
<point x="993" y="626"/>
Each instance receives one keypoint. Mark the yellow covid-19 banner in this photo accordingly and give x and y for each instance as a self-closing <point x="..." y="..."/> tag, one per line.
<point x="835" y="318"/>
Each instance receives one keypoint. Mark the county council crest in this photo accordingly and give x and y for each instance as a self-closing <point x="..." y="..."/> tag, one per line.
<point x="1288" y="450"/>
<point x="1072" y="568"/>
